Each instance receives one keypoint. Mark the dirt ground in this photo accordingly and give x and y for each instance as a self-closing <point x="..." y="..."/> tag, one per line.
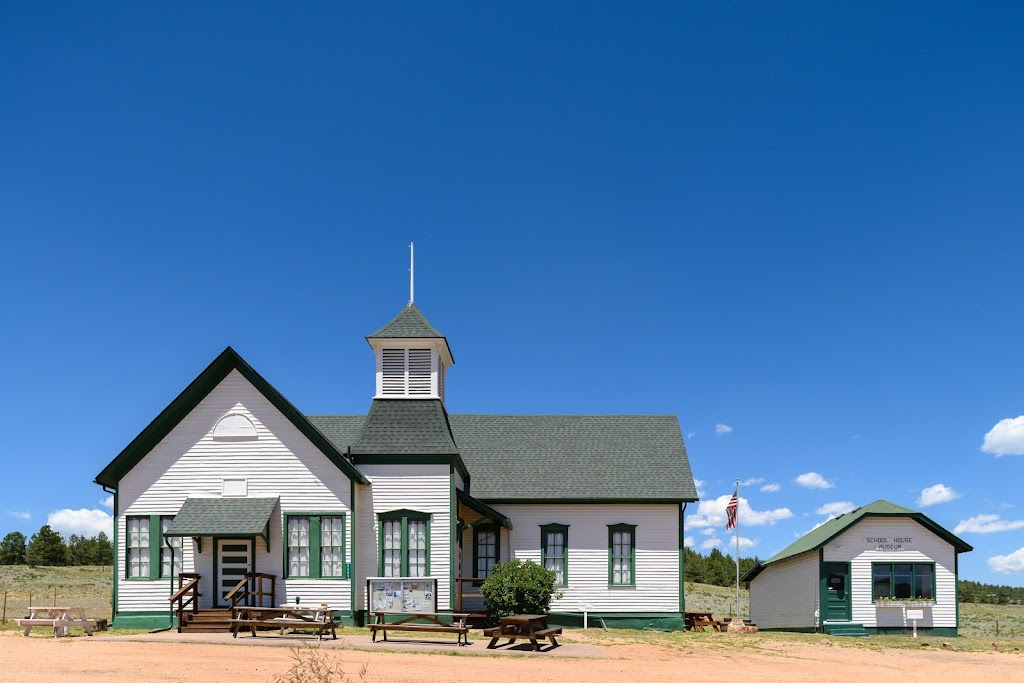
<point x="103" y="659"/>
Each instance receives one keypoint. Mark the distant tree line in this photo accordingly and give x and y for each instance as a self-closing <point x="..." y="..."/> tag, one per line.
<point x="47" y="548"/>
<point x="974" y="591"/>
<point x="717" y="569"/>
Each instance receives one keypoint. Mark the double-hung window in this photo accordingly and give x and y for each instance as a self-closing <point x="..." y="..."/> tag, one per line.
<point x="404" y="543"/>
<point x="315" y="545"/>
<point x="485" y="550"/>
<point x="554" y="551"/>
<point x="903" y="581"/>
<point x="622" y="554"/>
<point x="171" y="548"/>
<point x="138" y="547"/>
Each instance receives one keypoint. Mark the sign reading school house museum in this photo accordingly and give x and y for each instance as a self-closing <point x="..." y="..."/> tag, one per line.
<point x="885" y="543"/>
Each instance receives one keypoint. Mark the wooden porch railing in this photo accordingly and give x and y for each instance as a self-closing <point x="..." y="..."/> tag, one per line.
<point x="251" y="592"/>
<point x="187" y="595"/>
<point x="468" y="598"/>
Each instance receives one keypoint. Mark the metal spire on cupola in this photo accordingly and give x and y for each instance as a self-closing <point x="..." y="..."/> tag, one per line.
<point x="412" y="280"/>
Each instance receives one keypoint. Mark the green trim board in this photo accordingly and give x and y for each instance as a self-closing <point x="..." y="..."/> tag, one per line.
<point x="193" y="394"/>
<point x="453" y="535"/>
<point x="142" y="620"/>
<point x="682" y="560"/>
<point x="621" y="529"/>
<point x="454" y="460"/>
<point x="352" y="548"/>
<point x="315" y="539"/>
<point x="563" y="529"/>
<point x="404" y="516"/>
<point x="116" y="553"/>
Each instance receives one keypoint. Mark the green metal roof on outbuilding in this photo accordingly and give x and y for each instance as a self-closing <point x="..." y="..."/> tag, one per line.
<point x="226" y="517"/>
<point x="816" y="538"/>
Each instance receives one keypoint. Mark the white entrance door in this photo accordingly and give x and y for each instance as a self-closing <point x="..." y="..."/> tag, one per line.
<point x="234" y="559"/>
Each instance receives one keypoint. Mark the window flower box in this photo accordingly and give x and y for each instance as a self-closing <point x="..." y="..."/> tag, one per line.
<point x="904" y="603"/>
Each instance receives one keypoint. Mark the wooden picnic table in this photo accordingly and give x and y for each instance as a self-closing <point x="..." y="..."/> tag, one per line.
<point x="60" y="619"/>
<point x="697" y="621"/>
<point x="459" y="624"/>
<point x="523" y="626"/>
<point x="318" y="618"/>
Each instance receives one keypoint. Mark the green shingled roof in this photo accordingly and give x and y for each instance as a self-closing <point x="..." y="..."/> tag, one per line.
<point x="222" y="517"/>
<point x="405" y="427"/>
<point x="532" y="457"/>
<point x="816" y="538"/>
<point x="408" y="324"/>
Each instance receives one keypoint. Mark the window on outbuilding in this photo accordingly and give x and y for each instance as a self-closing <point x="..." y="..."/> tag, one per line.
<point x="903" y="581"/>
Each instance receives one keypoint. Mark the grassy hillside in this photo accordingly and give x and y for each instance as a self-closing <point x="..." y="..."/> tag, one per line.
<point x="91" y="588"/>
<point x="88" y="587"/>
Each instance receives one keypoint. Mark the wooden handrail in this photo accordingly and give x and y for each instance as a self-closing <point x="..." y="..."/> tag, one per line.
<point x="184" y="589"/>
<point x="249" y="591"/>
<point x="243" y="586"/>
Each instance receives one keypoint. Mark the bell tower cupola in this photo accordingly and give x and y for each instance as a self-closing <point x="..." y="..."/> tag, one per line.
<point x="412" y="357"/>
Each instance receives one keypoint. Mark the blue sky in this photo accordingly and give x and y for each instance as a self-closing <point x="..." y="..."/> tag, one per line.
<point x="796" y="225"/>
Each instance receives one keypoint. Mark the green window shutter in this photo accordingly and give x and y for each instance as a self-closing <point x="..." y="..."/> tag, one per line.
<point x="314" y="547"/>
<point x="155" y="540"/>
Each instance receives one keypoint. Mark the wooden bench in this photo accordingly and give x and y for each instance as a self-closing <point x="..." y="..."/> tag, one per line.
<point x="525" y="631"/>
<point x="281" y="623"/>
<point x="60" y="619"/>
<point x="459" y="624"/>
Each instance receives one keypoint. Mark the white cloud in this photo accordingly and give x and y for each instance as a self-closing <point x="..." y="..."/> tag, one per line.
<point x="1008" y="564"/>
<point x="721" y="429"/>
<point x="711" y="513"/>
<point x="813" y="480"/>
<point x="840" y="507"/>
<point x="107" y="502"/>
<point x="753" y="481"/>
<point x="699" y="484"/>
<point x="711" y="543"/>
<point x="688" y="541"/>
<point x="690" y="435"/>
<point x="987" y="524"/>
<point x="745" y="544"/>
<point x="710" y="531"/>
<point x="933" y="495"/>
<point x="20" y="515"/>
<point x="770" y="488"/>
<point x="1006" y="438"/>
<point x="83" y="522"/>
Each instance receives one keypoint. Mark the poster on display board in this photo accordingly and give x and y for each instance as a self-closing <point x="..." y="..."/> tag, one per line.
<point x="401" y="594"/>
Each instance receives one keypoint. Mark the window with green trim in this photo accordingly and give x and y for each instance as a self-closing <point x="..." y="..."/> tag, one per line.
<point x="404" y="543"/>
<point x="485" y="550"/>
<point x="554" y="550"/>
<point x="137" y="543"/>
<point x="315" y="546"/>
<point x="903" y="581"/>
<point x="621" y="554"/>
<point x="171" y="548"/>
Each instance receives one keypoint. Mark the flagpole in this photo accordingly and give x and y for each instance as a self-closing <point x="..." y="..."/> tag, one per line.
<point x="737" y="548"/>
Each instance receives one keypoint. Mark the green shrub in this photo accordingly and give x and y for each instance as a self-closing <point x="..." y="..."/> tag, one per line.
<point x="518" y="587"/>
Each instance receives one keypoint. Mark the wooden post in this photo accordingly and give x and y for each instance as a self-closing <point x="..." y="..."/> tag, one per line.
<point x="5" y="607"/>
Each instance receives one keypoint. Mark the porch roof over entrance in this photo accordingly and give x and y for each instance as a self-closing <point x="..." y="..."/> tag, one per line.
<point x="222" y="517"/>
<point x="485" y="512"/>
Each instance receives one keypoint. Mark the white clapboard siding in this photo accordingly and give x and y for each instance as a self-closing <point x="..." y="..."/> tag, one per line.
<point x="657" y="553"/>
<point x="189" y="461"/>
<point x="423" y="488"/>
<point x="785" y="594"/>
<point x="852" y="546"/>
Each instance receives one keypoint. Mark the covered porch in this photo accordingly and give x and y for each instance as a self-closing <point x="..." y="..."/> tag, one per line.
<point x="479" y="534"/>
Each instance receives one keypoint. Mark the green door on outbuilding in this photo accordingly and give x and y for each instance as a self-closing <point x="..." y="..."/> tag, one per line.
<point x="835" y="599"/>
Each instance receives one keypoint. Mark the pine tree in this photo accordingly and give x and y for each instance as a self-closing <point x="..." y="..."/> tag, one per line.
<point x="46" y="549"/>
<point x="12" y="548"/>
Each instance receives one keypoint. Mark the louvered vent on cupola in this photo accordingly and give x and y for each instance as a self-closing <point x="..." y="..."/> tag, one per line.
<point x="407" y="372"/>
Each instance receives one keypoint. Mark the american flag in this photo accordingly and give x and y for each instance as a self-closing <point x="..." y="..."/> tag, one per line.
<point x="730" y="513"/>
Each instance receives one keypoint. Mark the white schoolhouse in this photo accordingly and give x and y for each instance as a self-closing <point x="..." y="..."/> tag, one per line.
<point x="877" y="569"/>
<point x="232" y="488"/>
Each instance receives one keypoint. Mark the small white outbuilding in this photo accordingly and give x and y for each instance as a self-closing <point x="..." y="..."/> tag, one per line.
<point x="881" y="568"/>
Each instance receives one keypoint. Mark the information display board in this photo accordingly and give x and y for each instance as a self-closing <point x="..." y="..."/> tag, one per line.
<point x="401" y="594"/>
